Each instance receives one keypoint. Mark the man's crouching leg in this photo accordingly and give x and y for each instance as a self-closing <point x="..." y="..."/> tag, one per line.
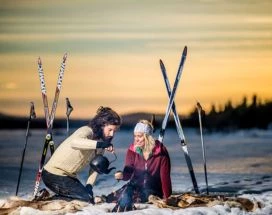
<point x="67" y="188"/>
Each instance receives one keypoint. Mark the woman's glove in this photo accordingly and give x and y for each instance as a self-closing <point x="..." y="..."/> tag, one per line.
<point x="118" y="175"/>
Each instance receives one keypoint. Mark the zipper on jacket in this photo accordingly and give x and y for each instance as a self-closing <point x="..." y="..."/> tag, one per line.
<point x="145" y="174"/>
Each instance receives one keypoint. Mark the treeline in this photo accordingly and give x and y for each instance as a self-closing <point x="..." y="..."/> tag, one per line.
<point x="245" y="115"/>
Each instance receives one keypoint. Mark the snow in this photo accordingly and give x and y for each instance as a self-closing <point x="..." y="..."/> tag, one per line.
<point x="238" y="164"/>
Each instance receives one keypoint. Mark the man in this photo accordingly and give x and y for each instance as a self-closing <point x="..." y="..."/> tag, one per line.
<point x="74" y="153"/>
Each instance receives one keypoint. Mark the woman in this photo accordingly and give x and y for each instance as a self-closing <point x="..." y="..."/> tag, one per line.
<point x="147" y="166"/>
<point x="72" y="155"/>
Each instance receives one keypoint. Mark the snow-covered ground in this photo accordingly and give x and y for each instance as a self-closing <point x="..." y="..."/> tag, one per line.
<point x="238" y="164"/>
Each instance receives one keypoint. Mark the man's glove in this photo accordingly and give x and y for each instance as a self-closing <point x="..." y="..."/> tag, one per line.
<point x="103" y="145"/>
<point x="89" y="189"/>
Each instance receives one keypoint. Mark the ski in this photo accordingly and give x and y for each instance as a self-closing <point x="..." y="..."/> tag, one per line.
<point x="49" y="118"/>
<point x="180" y="130"/>
<point x="172" y="96"/>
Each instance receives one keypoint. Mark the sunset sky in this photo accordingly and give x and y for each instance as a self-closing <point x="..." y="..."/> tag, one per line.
<point x="114" y="48"/>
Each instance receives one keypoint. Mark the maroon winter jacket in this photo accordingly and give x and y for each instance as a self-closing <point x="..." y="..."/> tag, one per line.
<point x="153" y="173"/>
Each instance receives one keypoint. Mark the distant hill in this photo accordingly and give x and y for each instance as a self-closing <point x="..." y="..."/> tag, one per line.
<point x="16" y="122"/>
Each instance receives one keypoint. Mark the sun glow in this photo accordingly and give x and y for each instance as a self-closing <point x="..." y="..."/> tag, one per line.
<point x="113" y="58"/>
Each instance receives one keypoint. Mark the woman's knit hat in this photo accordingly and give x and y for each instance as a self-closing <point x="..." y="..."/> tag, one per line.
<point x="143" y="128"/>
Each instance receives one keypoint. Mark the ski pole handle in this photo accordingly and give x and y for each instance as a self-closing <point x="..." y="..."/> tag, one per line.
<point x="69" y="107"/>
<point x="32" y="111"/>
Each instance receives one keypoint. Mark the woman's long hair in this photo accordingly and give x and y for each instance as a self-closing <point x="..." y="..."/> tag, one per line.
<point x="104" y="116"/>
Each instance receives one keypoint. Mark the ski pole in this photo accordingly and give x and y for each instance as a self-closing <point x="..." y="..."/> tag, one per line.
<point x="199" y="110"/>
<point x="32" y="115"/>
<point x="69" y="109"/>
<point x="153" y="122"/>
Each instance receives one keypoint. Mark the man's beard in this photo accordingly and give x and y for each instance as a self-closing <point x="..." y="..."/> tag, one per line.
<point x="107" y="139"/>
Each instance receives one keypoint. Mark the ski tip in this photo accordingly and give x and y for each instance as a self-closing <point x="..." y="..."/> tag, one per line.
<point x="64" y="57"/>
<point x="161" y="63"/>
<point x="39" y="61"/>
<point x="184" y="51"/>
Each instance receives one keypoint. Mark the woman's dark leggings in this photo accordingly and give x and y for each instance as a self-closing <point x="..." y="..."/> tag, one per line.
<point x="66" y="186"/>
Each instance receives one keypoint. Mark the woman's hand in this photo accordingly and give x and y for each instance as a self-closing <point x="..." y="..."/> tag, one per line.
<point x="138" y="144"/>
<point x="118" y="175"/>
